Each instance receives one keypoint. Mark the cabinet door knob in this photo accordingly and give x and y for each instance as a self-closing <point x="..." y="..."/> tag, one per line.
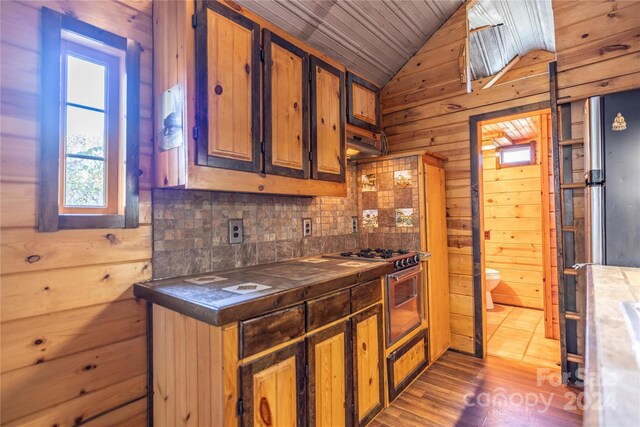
<point x="218" y="90"/>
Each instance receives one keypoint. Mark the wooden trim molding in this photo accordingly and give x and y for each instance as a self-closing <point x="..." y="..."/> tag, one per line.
<point x="351" y="118"/>
<point x="49" y="215"/>
<point x="477" y="212"/>
<point x="315" y="173"/>
<point x="51" y="40"/>
<point x="203" y="158"/>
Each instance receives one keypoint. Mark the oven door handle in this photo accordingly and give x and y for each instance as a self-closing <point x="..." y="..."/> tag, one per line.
<point x="406" y="273"/>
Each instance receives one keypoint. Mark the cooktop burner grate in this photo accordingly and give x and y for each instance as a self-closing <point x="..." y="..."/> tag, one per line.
<point x="377" y="253"/>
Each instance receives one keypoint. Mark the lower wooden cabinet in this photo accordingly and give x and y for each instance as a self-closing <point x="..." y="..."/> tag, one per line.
<point x="368" y="368"/>
<point x="273" y="389"/>
<point x="406" y="363"/>
<point x="329" y="390"/>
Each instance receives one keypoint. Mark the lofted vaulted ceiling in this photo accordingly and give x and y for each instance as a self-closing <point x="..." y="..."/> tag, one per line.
<point x="374" y="38"/>
<point x="503" y="29"/>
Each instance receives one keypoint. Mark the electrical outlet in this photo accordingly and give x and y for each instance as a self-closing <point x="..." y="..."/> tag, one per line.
<point x="354" y="224"/>
<point x="235" y="231"/>
<point x="306" y="227"/>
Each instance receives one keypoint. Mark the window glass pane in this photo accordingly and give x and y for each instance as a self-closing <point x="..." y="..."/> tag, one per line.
<point x="85" y="132"/>
<point x="84" y="182"/>
<point x="85" y="82"/>
<point x="516" y="155"/>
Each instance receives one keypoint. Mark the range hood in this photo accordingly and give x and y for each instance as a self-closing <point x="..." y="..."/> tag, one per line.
<point x="361" y="146"/>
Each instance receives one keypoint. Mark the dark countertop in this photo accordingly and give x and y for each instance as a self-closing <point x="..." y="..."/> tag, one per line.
<point x="280" y="285"/>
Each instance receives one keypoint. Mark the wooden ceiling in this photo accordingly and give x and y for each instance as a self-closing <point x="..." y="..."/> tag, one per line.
<point x="374" y="38"/>
<point x="520" y="130"/>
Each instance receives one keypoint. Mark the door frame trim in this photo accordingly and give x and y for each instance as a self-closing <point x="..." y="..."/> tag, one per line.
<point x="476" y="219"/>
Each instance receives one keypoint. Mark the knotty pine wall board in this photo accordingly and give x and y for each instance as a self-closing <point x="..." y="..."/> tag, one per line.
<point x="74" y="338"/>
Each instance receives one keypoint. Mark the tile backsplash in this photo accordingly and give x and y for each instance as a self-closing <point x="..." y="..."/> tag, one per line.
<point x="190" y="228"/>
<point x="388" y="203"/>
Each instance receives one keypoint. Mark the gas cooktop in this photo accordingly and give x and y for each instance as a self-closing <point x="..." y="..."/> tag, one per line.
<point x="386" y="254"/>
<point x="401" y="258"/>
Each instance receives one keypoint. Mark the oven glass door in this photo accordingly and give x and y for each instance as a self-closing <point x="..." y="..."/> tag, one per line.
<point x="404" y="307"/>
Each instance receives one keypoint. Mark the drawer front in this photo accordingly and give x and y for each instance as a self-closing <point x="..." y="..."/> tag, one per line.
<point x="406" y="363"/>
<point x="327" y="309"/>
<point x="365" y="294"/>
<point x="264" y="332"/>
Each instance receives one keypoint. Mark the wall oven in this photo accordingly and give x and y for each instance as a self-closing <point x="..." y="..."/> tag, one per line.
<point x="404" y="302"/>
<point x="403" y="288"/>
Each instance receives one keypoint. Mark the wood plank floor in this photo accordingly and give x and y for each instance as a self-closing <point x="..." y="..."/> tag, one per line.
<point x="461" y="390"/>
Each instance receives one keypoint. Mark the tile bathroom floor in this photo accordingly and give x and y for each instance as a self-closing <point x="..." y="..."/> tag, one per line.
<point x="517" y="333"/>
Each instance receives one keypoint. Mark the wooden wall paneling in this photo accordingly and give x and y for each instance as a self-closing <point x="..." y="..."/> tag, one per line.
<point x="43" y="292"/>
<point x="170" y="45"/>
<point x="69" y="289"/>
<point x="131" y="415"/>
<point x="597" y="48"/>
<point x="67" y="332"/>
<point x="26" y="250"/>
<point x="505" y="216"/>
<point x="68" y="377"/>
<point x="88" y="406"/>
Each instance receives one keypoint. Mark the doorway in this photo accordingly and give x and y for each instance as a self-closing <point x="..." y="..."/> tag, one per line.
<point x="513" y="236"/>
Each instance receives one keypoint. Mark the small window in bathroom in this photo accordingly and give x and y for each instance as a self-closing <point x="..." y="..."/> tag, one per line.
<point x="516" y="155"/>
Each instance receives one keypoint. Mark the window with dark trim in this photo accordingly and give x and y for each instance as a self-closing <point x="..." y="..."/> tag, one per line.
<point x="516" y="155"/>
<point x="90" y="126"/>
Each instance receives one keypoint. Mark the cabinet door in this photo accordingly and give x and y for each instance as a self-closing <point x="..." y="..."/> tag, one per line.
<point x="406" y="363"/>
<point x="327" y="122"/>
<point x="273" y="389"/>
<point x="363" y="99"/>
<point x="368" y="370"/>
<point x="286" y="118"/>
<point x="329" y="392"/>
<point x="228" y="88"/>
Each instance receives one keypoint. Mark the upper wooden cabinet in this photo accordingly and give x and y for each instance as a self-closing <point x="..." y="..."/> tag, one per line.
<point x="228" y="99"/>
<point x="363" y="99"/>
<point x="233" y="101"/>
<point x="286" y="97"/>
<point x="327" y="122"/>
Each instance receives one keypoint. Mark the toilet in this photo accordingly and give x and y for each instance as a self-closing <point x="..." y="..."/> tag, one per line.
<point x="492" y="278"/>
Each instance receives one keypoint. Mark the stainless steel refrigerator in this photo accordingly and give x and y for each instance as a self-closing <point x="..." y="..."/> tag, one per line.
<point x="612" y="174"/>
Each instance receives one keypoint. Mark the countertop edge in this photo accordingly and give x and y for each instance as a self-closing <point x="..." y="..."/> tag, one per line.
<point x="222" y="316"/>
